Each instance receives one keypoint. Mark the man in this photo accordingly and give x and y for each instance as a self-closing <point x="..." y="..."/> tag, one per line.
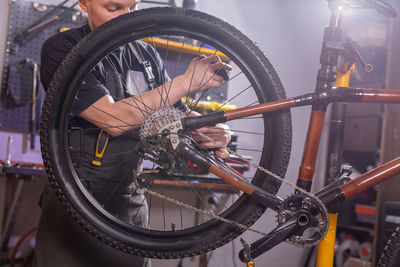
<point x="60" y="241"/>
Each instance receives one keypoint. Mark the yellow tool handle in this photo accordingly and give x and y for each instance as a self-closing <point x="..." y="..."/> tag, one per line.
<point x="102" y="141"/>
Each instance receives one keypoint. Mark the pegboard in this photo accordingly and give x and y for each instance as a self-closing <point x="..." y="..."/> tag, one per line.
<point x="17" y="92"/>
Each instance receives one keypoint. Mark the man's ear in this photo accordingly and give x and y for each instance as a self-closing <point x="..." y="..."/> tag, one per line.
<point x="83" y="5"/>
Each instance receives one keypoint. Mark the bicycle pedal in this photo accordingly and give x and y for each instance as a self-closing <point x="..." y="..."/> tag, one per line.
<point x="246" y="255"/>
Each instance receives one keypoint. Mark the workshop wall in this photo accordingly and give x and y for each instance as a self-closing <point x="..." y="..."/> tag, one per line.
<point x="290" y="34"/>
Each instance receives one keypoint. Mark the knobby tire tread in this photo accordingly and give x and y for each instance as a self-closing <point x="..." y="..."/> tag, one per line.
<point x="390" y="256"/>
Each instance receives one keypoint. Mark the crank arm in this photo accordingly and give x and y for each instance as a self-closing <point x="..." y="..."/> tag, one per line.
<point x="231" y="176"/>
<point x="278" y="235"/>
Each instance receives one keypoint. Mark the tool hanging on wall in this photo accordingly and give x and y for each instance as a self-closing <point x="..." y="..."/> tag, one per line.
<point x="35" y="89"/>
<point x="26" y="71"/>
<point x="39" y="25"/>
<point x="39" y="6"/>
<point x="16" y="112"/>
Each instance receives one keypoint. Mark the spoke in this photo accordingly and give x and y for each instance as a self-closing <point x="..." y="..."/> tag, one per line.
<point x="107" y="126"/>
<point x="114" y="190"/>
<point x="234" y="76"/>
<point x="126" y="87"/>
<point x="141" y="204"/>
<point x="149" y="211"/>
<point x="180" y="207"/>
<point x="235" y="130"/>
<point x="195" y="191"/>
<point x="163" y="78"/>
<point x="160" y="91"/>
<point x="236" y="160"/>
<point x="226" y="102"/>
<point x="166" y="91"/>
<point x="119" y="127"/>
<point x="163" y="203"/>
<point x="254" y="103"/>
<point x="201" y="83"/>
<point x="114" y="68"/>
<point x="205" y="91"/>
<point x="215" y="194"/>
<point x="246" y="132"/>
<point x="194" y="70"/>
<point x="176" y="65"/>
<point x="248" y="149"/>
<point x="109" y="114"/>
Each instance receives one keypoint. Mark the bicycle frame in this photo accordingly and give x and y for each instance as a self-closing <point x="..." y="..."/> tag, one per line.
<point x="332" y="86"/>
<point x="306" y="173"/>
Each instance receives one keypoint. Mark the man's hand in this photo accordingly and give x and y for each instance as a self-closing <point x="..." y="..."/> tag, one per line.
<point x="201" y="73"/>
<point x="220" y="133"/>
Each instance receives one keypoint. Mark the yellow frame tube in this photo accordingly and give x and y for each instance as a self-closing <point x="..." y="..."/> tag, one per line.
<point x="326" y="248"/>
<point x="185" y="48"/>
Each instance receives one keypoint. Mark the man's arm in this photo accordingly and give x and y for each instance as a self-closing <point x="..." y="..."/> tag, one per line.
<point x="121" y="116"/>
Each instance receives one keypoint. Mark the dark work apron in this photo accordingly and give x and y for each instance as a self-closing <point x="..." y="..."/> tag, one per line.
<point x="62" y="242"/>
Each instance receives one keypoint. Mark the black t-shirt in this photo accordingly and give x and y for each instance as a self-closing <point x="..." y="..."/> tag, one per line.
<point x="111" y="75"/>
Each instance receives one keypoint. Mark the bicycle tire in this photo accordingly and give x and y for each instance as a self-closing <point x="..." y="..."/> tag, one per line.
<point x="195" y="239"/>
<point x="390" y="256"/>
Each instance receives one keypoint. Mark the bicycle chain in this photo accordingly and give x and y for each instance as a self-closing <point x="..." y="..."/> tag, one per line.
<point x="244" y="227"/>
<point x="219" y="218"/>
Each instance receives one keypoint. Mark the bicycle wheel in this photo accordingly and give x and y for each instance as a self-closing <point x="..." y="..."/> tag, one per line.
<point x="172" y="229"/>
<point x="390" y="256"/>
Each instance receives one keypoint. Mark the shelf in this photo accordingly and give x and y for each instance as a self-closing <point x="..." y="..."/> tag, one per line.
<point x="370" y="231"/>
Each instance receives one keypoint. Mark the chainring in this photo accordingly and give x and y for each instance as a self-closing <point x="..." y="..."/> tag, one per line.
<point x="317" y="226"/>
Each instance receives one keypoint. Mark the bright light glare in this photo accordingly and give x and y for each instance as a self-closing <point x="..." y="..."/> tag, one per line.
<point x="340" y="8"/>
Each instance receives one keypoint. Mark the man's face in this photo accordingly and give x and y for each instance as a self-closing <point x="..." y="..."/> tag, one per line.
<point x="101" y="11"/>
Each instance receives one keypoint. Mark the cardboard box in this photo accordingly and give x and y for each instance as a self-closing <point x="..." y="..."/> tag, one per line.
<point x="355" y="262"/>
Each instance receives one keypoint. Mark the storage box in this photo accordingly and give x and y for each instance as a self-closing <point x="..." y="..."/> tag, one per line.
<point x="355" y="262"/>
<point x="365" y="213"/>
